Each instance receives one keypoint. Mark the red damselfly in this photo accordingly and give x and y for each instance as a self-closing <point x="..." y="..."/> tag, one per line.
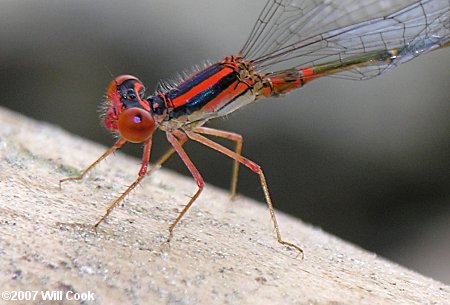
<point x="292" y="43"/>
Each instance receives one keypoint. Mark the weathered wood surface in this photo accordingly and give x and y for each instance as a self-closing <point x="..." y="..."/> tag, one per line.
<point x="222" y="252"/>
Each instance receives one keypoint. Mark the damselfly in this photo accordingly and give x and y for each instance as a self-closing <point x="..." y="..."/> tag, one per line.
<point x="292" y="43"/>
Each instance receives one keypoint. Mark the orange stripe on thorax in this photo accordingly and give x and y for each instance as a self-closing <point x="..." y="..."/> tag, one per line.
<point x="181" y="100"/>
<point x="225" y="96"/>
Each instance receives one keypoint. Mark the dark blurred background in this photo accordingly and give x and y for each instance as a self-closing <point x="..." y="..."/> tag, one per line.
<point x="367" y="161"/>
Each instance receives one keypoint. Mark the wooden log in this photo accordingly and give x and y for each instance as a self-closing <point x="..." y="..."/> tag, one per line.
<point x="222" y="252"/>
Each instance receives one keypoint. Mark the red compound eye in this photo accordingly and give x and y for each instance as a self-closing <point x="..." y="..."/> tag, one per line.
<point x="136" y="125"/>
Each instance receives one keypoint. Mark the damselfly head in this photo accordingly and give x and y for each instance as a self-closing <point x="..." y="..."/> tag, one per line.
<point x="127" y="111"/>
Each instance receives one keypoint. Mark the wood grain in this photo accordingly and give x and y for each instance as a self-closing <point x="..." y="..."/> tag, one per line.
<point x="222" y="252"/>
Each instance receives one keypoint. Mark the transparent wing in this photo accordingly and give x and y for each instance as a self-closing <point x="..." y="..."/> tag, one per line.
<point x="290" y="33"/>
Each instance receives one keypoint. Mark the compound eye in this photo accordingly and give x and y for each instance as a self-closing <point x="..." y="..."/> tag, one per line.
<point x="136" y="125"/>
